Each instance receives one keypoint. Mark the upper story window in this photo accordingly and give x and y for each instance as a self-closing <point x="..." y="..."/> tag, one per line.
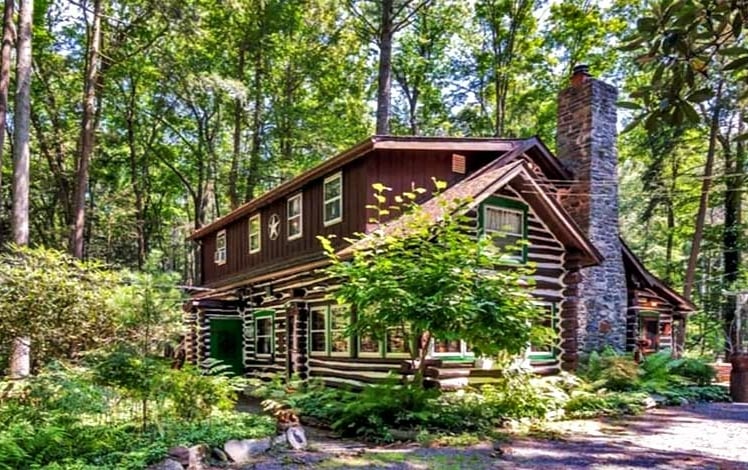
<point x="294" y="215"/>
<point x="220" y="254"/>
<point x="505" y="220"/>
<point x="255" y="230"/>
<point x="333" y="199"/>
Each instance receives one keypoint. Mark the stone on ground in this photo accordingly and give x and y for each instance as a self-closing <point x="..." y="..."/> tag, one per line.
<point x="243" y="450"/>
<point x="167" y="464"/>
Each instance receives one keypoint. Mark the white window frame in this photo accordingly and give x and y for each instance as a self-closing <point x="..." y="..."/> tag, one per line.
<point x="338" y="199"/>
<point x="378" y="353"/>
<point x="300" y="216"/>
<point x="347" y="311"/>
<point x="463" y="350"/>
<point x="514" y="256"/>
<point x="386" y="340"/>
<point x="324" y="330"/>
<point x="219" y="255"/>
<point x="521" y="214"/>
<point x="270" y="336"/>
<point x="258" y="234"/>
<point x="555" y="319"/>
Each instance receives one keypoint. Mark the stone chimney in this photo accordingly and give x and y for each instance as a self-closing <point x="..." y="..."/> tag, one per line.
<point x="586" y="145"/>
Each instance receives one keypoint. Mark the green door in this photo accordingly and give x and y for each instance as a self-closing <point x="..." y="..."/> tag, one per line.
<point x="226" y="343"/>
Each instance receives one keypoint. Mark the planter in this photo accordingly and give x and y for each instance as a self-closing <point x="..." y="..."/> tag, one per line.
<point x="739" y="378"/>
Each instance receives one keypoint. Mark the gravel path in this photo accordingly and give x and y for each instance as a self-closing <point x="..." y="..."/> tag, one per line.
<point x="708" y="436"/>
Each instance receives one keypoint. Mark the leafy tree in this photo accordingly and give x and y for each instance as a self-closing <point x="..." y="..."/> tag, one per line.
<point x="430" y="276"/>
<point x="61" y="304"/>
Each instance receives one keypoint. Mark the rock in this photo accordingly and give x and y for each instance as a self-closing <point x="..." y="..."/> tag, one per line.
<point x="682" y="401"/>
<point x="280" y="441"/>
<point x="296" y="438"/>
<point x="180" y="454"/>
<point x="166" y="464"/>
<point x="650" y="403"/>
<point x="219" y="455"/>
<point x="658" y="399"/>
<point x="242" y="450"/>
<point x="198" y="454"/>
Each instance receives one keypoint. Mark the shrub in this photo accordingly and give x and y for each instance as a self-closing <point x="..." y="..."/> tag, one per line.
<point x="74" y="418"/>
<point x="594" y="404"/>
<point x="695" y="370"/>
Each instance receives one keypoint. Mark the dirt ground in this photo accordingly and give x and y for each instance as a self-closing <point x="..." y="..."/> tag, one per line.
<point x="707" y="436"/>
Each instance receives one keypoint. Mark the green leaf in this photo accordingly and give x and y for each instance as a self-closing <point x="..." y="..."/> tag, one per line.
<point x="646" y="24"/>
<point x="737" y="64"/>
<point x="629" y="105"/>
<point x="700" y="95"/>
<point x="733" y="51"/>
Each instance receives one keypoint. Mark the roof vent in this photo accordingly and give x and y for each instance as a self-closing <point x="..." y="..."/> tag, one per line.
<point x="458" y="163"/>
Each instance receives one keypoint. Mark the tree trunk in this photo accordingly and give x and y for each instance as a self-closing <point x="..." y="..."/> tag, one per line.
<point x="732" y="237"/>
<point x="20" y="357"/>
<point x="237" y="140"/>
<point x="256" y="148"/>
<point x="706" y="185"/>
<point x="136" y="180"/>
<point x="384" y="82"/>
<point x="88" y="130"/>
<point x="8" y="35"/>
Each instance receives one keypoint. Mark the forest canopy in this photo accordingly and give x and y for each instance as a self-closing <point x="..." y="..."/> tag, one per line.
<point x="135" y="122"/>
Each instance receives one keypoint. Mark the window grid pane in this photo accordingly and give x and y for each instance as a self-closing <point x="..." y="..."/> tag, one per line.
<point x="318" y="331"/>
<point x="504" y="221"/>
<point x="339" y="321"/>
<point x="333" y="199"/>
<point x="254" y="233"/>
<point x="264" y="336"/>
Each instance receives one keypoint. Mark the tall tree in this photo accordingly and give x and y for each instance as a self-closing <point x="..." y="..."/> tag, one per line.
<point x="20" y="361"/>
<point x="506" y="22"/>
<point x="381" y="20"/>
<point x="8" y="36"/>
<point x="87" y="132"/>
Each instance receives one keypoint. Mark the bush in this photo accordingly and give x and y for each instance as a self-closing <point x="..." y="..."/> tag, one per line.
<point x="695" y="370"/>
<point x="594" y="404"/>
<point x="77" y="418"/>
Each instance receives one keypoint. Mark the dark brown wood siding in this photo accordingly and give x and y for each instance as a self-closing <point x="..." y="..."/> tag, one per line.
<point x="398" y="169"/>
<point x="401" y="170"/>
<point x="281" y="250"/>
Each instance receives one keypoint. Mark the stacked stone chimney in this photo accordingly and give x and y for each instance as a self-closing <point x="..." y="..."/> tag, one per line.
<point x="586" y="145"/>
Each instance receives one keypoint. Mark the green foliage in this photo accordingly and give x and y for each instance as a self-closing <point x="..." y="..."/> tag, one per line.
<point x="695" y="370"/>
<point x="77" y="418"/>
<point x="62" y="304"/>
<point x="610" y="371"/>
<point x="583" y="404"/>
<point x="425" y="272"/>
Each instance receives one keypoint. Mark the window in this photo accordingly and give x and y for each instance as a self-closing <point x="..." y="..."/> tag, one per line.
<point x="340" y="342"/>
<point x="318" y="330"/>
<point x="369" y="347"/>
<point x="327" y="331"/>
<point x="263" y="334"/>
<point x="546" y="350"/>
<point x="396" y="343"/>
<point x="220" y="254"/>
<point x="333" y="199"/>
<point x="505" y="221"/>
<point x="255" y="229"/>
<point x="293" y="211"/>
<point x="450" y="348"/>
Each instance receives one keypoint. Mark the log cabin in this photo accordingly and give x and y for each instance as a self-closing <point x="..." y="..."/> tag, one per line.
<point x="264" y="305"/>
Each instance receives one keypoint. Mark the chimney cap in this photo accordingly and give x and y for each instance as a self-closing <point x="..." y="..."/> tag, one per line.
<point x="580" y="74"/>
<point x="581" y="69"/>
